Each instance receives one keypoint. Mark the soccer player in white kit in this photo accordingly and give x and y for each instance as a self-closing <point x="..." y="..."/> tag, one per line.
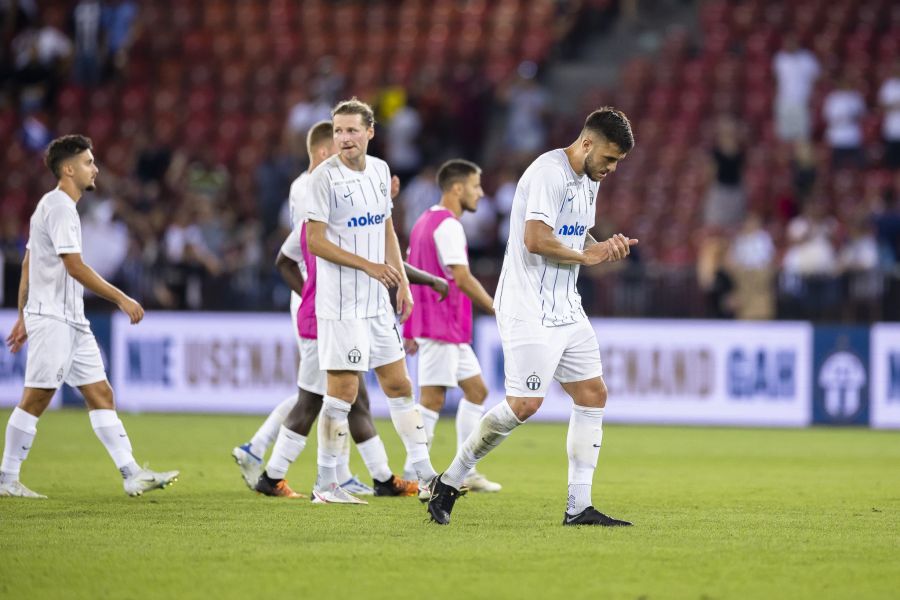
<point x="351" y="232"/>
<point x="543" y="329"/>
<point x="61" y="347"/>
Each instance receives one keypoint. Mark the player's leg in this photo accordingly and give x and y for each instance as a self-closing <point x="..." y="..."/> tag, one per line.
<point x="371" y="448"/>
<point x="249" y="456"/>
<point x="581" y="374"/>
<point x="468" y="415"/>
<point x="20" y="432"/>
<point x="51" y="347"/>
<point x="437" y="366"/>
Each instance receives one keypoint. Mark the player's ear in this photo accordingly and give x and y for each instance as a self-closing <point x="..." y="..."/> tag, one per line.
<point x="370" y="133"/>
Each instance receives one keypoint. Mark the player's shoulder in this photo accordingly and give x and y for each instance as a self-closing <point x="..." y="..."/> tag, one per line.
<point x="329" y="164"/>
<point x="57" y="199"/>
<point x="552" y="162"/>
<point x="378" y="164"/>
<point x="300" y="181"/>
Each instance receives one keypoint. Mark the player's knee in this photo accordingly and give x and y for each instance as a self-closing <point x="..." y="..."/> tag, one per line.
<point x="526" y="407"/>
<point x="478" y="394"/>
<point x="399" y="387"/>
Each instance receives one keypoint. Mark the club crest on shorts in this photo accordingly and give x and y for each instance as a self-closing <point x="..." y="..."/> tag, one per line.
<point x="533" y="382"/>
<point x="383" y="189"/>
<point x="354" y="356"/>
<point x="59" y="375"/>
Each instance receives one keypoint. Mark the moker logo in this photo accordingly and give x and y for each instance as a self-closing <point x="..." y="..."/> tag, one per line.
<point x="533" y="382"/>
<point x="576" y="229"/>
<point x="354" y="356"/>
<point x="366" y="219"/>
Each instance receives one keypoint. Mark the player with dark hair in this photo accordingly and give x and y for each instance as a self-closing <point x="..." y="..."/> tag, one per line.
<point x="61" y="347"/>
<point x="544" y="331"/>
<point x="441" y="331"/>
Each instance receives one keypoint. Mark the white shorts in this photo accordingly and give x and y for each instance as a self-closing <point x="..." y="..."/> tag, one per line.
<point x="359" y="344"/>
<point x="532" y="354"/>
<point x="445" y="364"/>
<point x="310" y="377"/>
<point x="295" y="307"/>
<point x="58" y="353"/>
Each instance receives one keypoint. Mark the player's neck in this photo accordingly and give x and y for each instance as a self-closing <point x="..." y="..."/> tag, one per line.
<point x="71" y="190"/>
<point x="356" y="165"/>
<point x="572" y="153"/>
<point x="452" y="205"/>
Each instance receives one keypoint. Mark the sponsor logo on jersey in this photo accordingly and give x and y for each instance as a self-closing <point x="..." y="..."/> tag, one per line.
<point x="576" y="229"/>
<point x="366" y="220"/>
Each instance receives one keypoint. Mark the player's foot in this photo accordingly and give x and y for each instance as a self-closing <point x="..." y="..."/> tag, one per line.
<point x="277" y="488"/>
<point x="146" y="480"/>
<point x="357" y="487"/>
<point x="251" y="466"/>
<point x="476" y="482"/>
<point x="334" y="494"/>
<point x="17" y="490"/>
<point x="591" y="516"/>
<point x="396" y="487"/>
<point x="425" y="490"/>
<point x="443" y="497"/>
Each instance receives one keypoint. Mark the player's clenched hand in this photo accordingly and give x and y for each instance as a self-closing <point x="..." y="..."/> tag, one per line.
<point x="130" y="307"/>
<point x="410" y="346"/>
<point x="395" y="186"/>
<point x="441" y="286"/>
<point x="385" y="273"/>
<point x="17" y="337"/>
<point x="615" y="248"/>
<point x="404" y="303"/>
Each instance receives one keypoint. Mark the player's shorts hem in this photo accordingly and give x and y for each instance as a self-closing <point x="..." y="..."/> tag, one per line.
<point x="38" y="385"/>
<point x="88" y="381"/>
<point x="375" y="364"/>
<point x="580" y="377"/>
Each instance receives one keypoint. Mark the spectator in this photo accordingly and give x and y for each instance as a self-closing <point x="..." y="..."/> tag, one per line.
<point x="104" y="239"/>
<point x="809" y="264"/>
<point x="796" y="70"/>
<point x="725" y="201"/>
<point x="118" y="19"/>
<point x="527" y="101"/>
<point x="189" y="260"/>
<point x="403" y="153"/>
<point x="89" y="56"/>
<point x="417" y="197"/>
<point x="503" y="201"/>
<point x="751" y="263"/>
<point x="889" y="98"/>
<point x="844" y="109"/>
<point x="481" y="228"/>
<point x="858" y="262"/>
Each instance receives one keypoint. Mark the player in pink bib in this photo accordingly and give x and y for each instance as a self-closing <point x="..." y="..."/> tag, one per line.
<point x="441" y="331"/>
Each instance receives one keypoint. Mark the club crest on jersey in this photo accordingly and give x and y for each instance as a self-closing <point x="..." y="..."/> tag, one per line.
<point x="354" y="356"/>
<point x="575" y="229"/>
<point x="59" y="375"/>
<point x="365" y="220"/>
<point x="383" y="189"/>
<point x="533" y="382"/>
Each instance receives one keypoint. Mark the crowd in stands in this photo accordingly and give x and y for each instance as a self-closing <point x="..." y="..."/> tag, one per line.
<point x="765" y="181"/>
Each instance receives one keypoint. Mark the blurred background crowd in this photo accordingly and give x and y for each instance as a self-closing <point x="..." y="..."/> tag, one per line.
<point x="765" y="181"/>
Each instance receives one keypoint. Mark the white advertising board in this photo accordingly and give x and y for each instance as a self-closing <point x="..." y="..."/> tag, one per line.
<point x="686" y="372"/>
<point x="204" y="362"/>
<point x="884" y="407"/>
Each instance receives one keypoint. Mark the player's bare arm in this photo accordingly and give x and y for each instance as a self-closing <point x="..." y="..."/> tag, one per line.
<point x="420" y="277"/>
<point x="320" y="246"/>
<point x="290" y="272"/>
<point x="539" y="239"/>
<point x="88" y="277"/>
<point x="16" y="338"/>
<point x="471" y="287"/>
<point x="394" y="258"/>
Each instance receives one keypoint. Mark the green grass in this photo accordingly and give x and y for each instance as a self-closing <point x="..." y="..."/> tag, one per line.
<point x="719" y="513"/>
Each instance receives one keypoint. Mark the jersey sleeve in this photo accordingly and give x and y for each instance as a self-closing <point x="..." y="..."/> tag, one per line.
<point x="319" y="192"/>
<point x="450" y="241"/>
<point x="546" y="194"/>
<point x="389" y="210"/>
<point x="291" y="246"/>
<point x="64" y="228"/>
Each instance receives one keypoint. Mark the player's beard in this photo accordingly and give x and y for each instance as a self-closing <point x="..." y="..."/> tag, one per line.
<point x="90" y="187"/>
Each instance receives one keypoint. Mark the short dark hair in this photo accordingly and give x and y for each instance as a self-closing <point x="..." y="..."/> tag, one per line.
<point x="321" y="132"/>
<point x="455" y="170"/>
<point x="355" y="106"/>
<point x="613" y="125"/>
<point x="64" y="148"/>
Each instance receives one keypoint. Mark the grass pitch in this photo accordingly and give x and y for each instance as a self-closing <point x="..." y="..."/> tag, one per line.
<point x="718" y="513"/>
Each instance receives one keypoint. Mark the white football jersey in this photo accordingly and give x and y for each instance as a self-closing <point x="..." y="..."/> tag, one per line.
<point x="355" y="206"/>
<point x="532" y="288"/>
<point x="297" y="205"/>
<point x="55" y="230"/>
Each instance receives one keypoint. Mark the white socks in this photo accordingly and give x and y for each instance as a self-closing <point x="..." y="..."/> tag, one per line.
<point x="111" y="433"/>
<point x="287" y="448"/>
<point x="332" y="429"/>
<point x="583" y="446"/>
<point x="409" y="424"/>
<point x="343" y="473"/>
<point x="493" y="428"/>
<point x="20" y="431"/>
<point x="467" y="416"/>
<point x="269" y="430"/>
<point x="429" y="420"/>
<point x="375" y="458"/>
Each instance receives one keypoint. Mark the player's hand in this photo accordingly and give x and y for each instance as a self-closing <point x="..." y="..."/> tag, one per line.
<point x="17" y="337"/>
<point x="441" y="286"/>
<point x="614" y="249"/>
<point x="410" y="346"/>
<point x="404" y="303"/>
<point x="130" y="307"/>
<point x="395" y="186"/>
<point x="385" y="273"/>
